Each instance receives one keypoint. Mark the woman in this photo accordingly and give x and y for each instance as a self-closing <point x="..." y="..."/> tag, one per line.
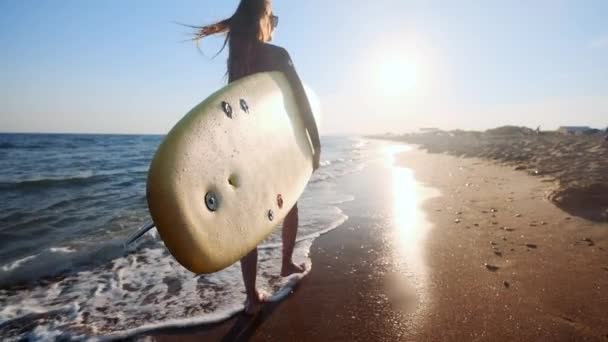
<point x="248" y="32"/>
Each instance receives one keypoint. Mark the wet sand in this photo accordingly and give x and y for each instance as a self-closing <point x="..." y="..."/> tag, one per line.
<point x="499" y="262"/>
<point x="576" y="164"/>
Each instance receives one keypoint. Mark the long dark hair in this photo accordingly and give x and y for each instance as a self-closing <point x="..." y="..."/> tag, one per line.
<point x="243" y="31"/>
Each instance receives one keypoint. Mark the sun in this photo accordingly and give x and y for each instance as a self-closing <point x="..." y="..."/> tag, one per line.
<point x="397" y="76"/>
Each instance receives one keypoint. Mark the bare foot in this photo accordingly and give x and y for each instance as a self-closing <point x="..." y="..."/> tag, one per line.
<point x="254" y="305"/>
<point x="291" y="268"/>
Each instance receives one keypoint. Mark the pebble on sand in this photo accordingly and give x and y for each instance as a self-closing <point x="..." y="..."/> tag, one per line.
<point x="531" y="245"/>
<point x="589" y="241"/>
<point x="506" y="284"/>
<point x="491" y="268"/>
<point x="517" y="215"/>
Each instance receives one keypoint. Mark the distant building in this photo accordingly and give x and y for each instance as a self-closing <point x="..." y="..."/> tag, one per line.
<point x="577" y="130"/>
<point x="429" y="129"/>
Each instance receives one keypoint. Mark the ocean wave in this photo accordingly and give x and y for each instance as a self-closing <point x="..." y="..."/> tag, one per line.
<point x="317" y="178"/>
<point x="333" y="161"/>
<point x="59" y="261"/>
<point x="18" y="263"/>
<point x="323" y="175"/>
<point x="7" y="145"/>
<point x="359" y="143"/>
<point x="83" y="179"/>
<point x="348" y="198"/>
<point x="67" y="202"/>
<point x="128" y="171"/>
<point x="281" y="293"/>
<point x="14" y="216"/>
<point x="129" y="286"/>
<point x="62" y="250"/>
<point x="53" y="182"/>
<point x="139" y="291"/>
<point x="333" y="225"/>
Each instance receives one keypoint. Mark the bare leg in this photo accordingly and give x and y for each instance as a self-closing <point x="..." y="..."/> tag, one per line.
<point x="249" y="267"/>
<point x="290" y="230"/>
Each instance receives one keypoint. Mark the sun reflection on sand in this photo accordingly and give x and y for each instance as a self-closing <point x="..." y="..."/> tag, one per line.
<point x="411" y="226"/>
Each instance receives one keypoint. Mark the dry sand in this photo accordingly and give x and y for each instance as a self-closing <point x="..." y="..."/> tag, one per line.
<point x="505" y="263"/>
<point x="502" y="263"/>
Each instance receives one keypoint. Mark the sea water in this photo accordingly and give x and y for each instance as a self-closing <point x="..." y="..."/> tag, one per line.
<point x="68" y="204"/>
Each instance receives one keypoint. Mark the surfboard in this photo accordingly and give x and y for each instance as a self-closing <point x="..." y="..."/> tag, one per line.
<point x="229" y="171"/>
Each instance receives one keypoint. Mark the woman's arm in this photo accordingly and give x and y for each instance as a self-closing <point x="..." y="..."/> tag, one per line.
<point x="303" y="104"/>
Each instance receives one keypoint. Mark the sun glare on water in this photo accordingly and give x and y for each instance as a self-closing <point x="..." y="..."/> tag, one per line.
<point x="397" y="76"/>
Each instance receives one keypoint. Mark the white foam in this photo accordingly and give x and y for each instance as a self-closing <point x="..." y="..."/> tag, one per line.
<point x="62" y="250"/>
<point x="147" y="289"/>
<point x="214" y="317"/>
<point x="42" y="333"/>
<point x="17" y="263"/>
<point x="347" y="198"/>
<point x="341" y="218"/>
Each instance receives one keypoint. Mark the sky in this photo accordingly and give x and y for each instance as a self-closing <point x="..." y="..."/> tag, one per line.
<point x="115" y="66"/>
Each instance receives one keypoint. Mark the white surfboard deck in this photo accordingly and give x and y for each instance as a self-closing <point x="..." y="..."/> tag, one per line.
<point x="229" y="172"/>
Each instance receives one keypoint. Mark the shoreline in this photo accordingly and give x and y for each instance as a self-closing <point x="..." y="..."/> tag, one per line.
<point x="503" y="263"/>
<point x="576" y="164"/>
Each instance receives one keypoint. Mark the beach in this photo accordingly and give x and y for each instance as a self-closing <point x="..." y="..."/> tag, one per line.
<point x="400" y="243"/>
<point x="476" y="251"/>
<point x="258" y="170"/>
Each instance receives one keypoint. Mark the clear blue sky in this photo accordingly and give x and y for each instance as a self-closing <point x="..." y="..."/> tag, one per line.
<point x="121" y="66"/>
